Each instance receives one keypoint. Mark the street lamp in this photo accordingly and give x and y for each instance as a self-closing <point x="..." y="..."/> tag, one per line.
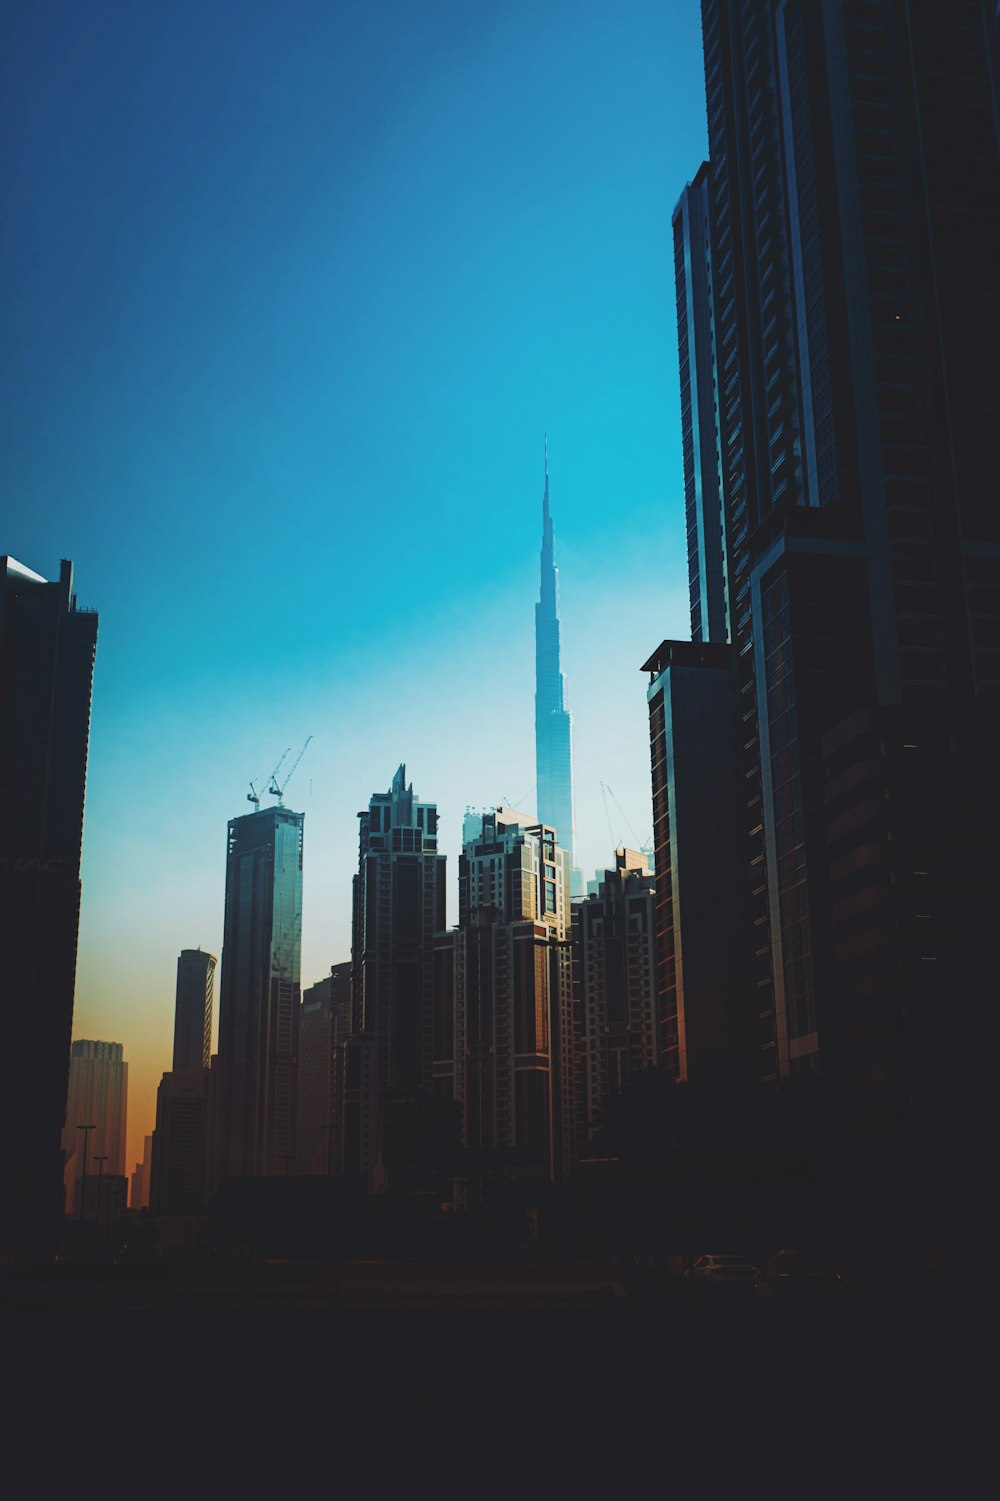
<point x="100" y="1174"/>
<point x="83" y="1175"/>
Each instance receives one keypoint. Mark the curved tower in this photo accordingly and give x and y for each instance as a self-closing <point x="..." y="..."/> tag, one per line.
<point x="553" y="721"/>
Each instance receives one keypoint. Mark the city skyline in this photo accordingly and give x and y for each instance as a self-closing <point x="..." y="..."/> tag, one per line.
<point x="296" y="299"/>
<point x="193" y="448"/>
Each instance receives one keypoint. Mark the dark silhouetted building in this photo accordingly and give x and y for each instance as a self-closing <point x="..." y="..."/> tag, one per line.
<point x="139" y="1188"/>
<point x="47" y="648"/>
<point x="399" y="904"/>
<point x="706" y="553"/>
<point x="693" y="745"/>
<point x="193" y="1009"/>
<point x="615" y="973"/>
<point x="553" y="721"/>
<point x="355" y="1148"/>
<point x="97" y="1097"/>
<point x="838" y="311"/>
<point x="182" y="1164"/>
<point x="509" y="967"/>
<point x="179" y="1173"/>
<point x="260" y="993"/>
<point x="325" y="1024"/>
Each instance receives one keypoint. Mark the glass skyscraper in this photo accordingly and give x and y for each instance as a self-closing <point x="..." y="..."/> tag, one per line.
<point x="260" y="993"/>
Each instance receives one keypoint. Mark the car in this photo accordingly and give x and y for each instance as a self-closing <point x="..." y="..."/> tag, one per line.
<point x="722" y="1270"/>
<point x="796" y="1272"/>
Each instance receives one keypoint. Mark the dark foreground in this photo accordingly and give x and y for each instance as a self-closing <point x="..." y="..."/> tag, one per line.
<point x="540" y="1376"/>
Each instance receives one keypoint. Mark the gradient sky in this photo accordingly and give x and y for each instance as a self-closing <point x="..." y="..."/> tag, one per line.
<point x="289" y="294"/>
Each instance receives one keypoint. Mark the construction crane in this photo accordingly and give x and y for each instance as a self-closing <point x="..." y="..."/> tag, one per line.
<point x="253" y="796"/>
<point x="642" y="849"/>
<point x="279" y="792"/>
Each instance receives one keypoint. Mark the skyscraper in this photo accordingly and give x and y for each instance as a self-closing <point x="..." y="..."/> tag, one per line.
<point x="260" y="993"/>
<point x="47" y="645"/>
<point x="179" y="1166"/>
<point x="699" y="394"/>
<point x="325" y="1024"/>
<point x="553" y="721"/>
<point x="193" y="1009"/>
<point x="139" y="1189"/>
<point x="98" y="1100"/>
<point x="508" y="970"/>
<point x="836" y="269"/>
<point x="180" y="1171"/>
<point x="399" y="904"/>
<point x="698" y="910"/>
<point x="614" y="958"/>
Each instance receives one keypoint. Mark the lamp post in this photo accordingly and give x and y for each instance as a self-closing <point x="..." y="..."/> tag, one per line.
<point x="83" y="1175"/>
<point x="100" y="1174"/>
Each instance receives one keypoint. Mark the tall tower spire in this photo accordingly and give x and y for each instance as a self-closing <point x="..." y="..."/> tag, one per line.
<point x="553" y="722"/>
<point x="545" y="497"/>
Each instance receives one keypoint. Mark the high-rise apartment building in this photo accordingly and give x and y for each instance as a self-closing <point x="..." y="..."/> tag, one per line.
<point x="96" y="1112"/>
<point x="698" y="904"/>
<point x="179" y="1169"/>
<point x="615" y="975"/>
<point x="181" y="1173"/>
<point x="703" y="517"/>
<point x="325" y="1024"/>
<point x="553" y="721"/>
<point x="193" y="1009"/>
<point x="506" y="1000"/>
<point x="399" y="904"/>
<point x="838" y="306"/>
<point x="260" y="993"/>
<point x="139" y="1187"/>
<point x="47" y="645"/>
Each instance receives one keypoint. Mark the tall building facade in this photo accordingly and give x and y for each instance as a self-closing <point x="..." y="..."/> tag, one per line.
<point x="399" y="904"/>
<point x="507" y="995"/>
<point x="193" y="1008"/>
<point x="139" y="1187"/>
<point x="260" y="993"/>
<point x="97" y="1099"/>
<point x="836" y="260"/>
<point x="47" y="645"/>
<point x="699" y="393"/>
<point x="180" y="1173"/>
<point x="553" y="721"/>
<point x="615" y="980"/>
<point x="179" y="1170"/>
<point x="698" y="904"/>
<point x="325" y="1025"/>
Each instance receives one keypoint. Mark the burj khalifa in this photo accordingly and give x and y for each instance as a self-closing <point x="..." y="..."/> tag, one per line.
<point x="553" y="721"/>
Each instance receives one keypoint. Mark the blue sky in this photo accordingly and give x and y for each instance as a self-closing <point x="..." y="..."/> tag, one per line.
<point x="289" y="295"/>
